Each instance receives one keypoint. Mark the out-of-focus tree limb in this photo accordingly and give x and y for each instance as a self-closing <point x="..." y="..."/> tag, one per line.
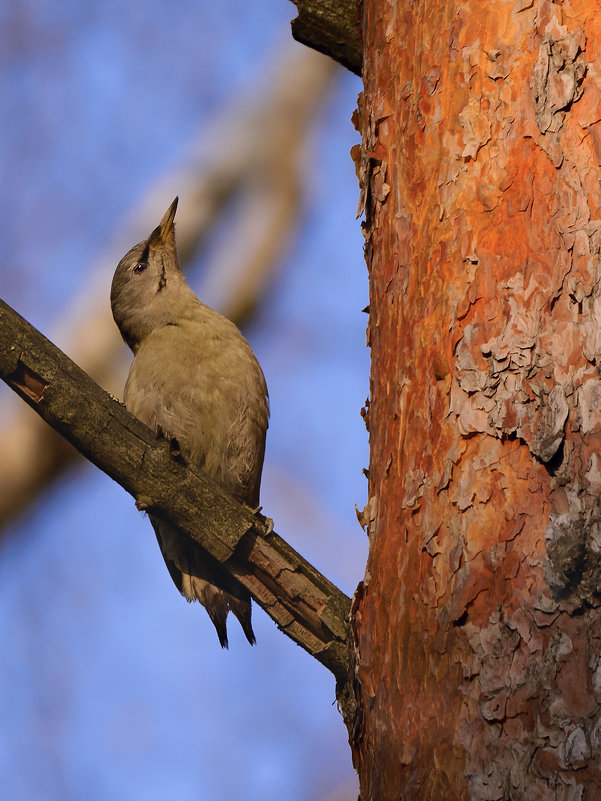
<point x="331" y="27"/>
<point x="306" y="606"/>
<point x="251" y="155"/>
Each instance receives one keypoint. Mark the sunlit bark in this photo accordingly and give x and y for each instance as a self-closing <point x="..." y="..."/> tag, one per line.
<point x="478" y="623"/>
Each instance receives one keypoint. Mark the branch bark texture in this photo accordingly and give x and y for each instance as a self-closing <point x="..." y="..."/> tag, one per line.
<point x="304" y="604"/>
<point x="481" y="128"/>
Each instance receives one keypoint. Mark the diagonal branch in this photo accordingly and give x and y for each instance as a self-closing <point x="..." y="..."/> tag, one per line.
<point x="306" y="606"/>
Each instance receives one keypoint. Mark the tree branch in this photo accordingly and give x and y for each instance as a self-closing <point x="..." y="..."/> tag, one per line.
<point x="332" y="27"/>
<point x="305" y="605"/>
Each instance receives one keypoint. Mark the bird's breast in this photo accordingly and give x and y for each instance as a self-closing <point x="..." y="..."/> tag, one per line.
<point x="205" y="388"/>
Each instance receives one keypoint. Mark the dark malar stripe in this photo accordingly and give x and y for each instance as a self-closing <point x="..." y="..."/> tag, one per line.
<point x="163" y="278"/>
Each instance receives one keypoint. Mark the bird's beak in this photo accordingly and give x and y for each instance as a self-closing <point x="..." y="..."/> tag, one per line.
<point x="166" y="223"/>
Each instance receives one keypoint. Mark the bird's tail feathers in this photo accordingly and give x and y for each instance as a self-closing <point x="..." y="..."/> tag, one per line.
<point x="214" y="600"/>
<point x="218" y="603"/>
<point x="242" y="609"/>
<point x="198" y="579"/>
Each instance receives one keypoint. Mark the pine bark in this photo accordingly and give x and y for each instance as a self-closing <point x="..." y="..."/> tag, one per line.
<point x="478" y="623"/>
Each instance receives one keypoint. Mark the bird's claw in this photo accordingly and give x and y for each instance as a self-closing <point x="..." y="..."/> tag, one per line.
<point x="175" y="451"/>
<point x="143" y="503"/>
<point x="267" y="520"/>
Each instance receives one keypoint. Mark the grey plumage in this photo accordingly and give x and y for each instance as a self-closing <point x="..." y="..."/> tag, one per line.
<point x="194" y="378"/>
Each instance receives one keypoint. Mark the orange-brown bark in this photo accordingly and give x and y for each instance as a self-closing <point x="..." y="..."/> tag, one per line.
<point x="478" y="623"/>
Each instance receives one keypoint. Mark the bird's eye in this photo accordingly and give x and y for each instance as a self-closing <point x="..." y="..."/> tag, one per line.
<point x="139" y="268"/>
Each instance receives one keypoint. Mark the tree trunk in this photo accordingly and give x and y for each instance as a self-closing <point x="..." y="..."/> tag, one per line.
<point x="478" y="623"/>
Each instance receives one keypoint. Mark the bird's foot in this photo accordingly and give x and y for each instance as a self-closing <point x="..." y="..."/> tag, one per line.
<point x="267" y="520"/>
<point x="174" y="448"/>
<point x="143" y="503"/>
<point x="175" y="451"/>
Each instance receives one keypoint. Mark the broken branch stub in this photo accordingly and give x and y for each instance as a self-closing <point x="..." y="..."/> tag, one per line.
<point x="331" y="27"/>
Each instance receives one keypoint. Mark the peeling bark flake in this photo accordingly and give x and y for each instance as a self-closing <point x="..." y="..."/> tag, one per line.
<point x="29" y="383"/>
<point x="557" y="77"/>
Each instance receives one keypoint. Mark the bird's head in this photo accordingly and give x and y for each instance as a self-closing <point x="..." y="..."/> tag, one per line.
<point x="148" y="286"/>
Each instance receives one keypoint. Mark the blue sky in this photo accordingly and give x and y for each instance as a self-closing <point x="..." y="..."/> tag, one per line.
<point x="112" y="687"/>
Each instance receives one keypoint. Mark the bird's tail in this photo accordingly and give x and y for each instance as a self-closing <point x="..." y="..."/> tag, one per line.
<point x="242" y="609"/>
<point x="218" y="603"/>
<point x="214" y="600"/>
<point x="199" y="578"/>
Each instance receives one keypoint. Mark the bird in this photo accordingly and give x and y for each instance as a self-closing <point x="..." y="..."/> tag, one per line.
<point x="194" y="379"/>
